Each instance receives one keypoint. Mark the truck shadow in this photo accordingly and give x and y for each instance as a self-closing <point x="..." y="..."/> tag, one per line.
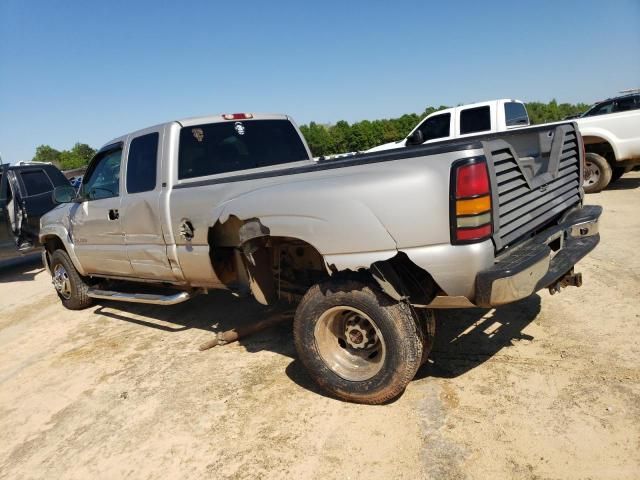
<point x="465" y="338"/>
<point x="625" y="183"/>
<point x="20" y="269"/>
<point x="215" y="312"/>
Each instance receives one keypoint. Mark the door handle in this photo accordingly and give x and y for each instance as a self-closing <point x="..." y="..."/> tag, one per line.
<point x="114" y="214"/>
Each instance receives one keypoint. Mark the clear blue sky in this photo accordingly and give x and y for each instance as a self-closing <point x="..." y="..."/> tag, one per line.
<point x="91" y="70"/>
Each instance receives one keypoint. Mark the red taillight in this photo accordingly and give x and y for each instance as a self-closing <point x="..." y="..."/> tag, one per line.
<point x="471" y="216"/>
<point x="468" y="234"/>
<point x="237" y="116"/>
<point x="472" y="180"/>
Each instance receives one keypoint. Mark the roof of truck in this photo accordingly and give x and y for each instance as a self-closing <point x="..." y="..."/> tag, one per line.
<point x="190" y="121"/>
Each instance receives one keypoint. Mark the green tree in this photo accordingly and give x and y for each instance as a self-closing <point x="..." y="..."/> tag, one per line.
<point x="45" y="153"/>
<point x="77" y="157"/>
<point x="83" y="152"/>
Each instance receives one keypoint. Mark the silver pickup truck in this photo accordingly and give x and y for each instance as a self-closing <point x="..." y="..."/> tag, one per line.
<point x="367" y="245"/>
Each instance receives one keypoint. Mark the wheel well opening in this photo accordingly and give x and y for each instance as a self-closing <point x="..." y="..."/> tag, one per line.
<point x="600" y="146"/>
<point x="246" y="258"/>
<point x="402" y="279"/>
<point x="51" y="244"/>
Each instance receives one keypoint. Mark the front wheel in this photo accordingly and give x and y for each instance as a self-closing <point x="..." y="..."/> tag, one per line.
<point x="69" y="285"/>
<point x="357" y="343"/>
<point x="597" y="173"/>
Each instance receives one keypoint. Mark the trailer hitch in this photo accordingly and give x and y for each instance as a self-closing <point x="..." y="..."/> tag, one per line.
<point x="569" y="279"/>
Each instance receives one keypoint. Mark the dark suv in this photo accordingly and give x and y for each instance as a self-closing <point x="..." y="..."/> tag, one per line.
<point x="25" y="195"/>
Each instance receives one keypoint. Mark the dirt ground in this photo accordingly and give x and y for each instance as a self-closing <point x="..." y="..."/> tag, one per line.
<point x="545" y="388"/>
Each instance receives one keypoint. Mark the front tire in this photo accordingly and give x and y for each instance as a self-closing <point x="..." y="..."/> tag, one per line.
<point x="597" y="173"/>
<point x="69" y="285"/>
<point x="356" y="342"/>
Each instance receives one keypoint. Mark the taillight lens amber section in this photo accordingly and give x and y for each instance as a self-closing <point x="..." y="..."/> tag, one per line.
<point x="473" y="206"/>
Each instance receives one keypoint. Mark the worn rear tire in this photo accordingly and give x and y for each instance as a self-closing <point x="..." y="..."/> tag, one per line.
<point x="69" y="285"/>
<point x="597" y="173"/>
<point x="347" y="371"/>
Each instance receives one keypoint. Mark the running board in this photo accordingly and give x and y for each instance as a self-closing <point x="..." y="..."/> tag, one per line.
<point x="151" y="298"/>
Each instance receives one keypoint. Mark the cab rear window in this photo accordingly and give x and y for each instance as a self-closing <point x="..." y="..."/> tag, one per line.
<point x="231" y="146"/>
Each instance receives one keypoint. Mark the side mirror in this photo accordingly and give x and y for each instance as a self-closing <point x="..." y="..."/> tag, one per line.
<point x="63" y="194"/>
<point x="415" y="138"/>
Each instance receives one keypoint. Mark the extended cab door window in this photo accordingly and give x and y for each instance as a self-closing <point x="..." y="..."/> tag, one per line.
<point x="142" y="163"/>
<point x="102" y="179"/>
<point x="438" y="126"/>
<point x="474" y="120"/>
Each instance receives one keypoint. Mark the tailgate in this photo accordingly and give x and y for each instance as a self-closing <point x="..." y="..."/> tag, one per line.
<point x="535" y="176"/>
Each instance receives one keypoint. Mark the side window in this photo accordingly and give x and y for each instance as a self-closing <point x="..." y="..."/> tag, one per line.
<point x="102" y="179"/>
<point x="141" y="164"/>
<point x="36" y="182"/>
<point x="627" y="103"/>
<point x="515" y="114"/>
<point x="601" y="109"/>
<point x="437" y="126"/>
<point x="475" y="120"/>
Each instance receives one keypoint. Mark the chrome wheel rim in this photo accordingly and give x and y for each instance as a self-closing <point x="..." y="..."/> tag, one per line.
<point x="591" y="174"/>
<point x="350" y="343"/>
<point x="61" y="281"/>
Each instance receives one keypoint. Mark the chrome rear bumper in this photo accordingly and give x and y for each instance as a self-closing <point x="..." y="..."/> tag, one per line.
<point x="541" y="261"/>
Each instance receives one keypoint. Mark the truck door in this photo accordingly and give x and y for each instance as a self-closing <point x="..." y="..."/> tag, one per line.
<point x="140" y="208"/>
<point x="7" y="243"/>
<point x="96" y="228"/>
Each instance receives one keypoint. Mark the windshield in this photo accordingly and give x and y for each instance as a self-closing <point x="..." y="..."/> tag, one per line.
<point x="231" y="146"/>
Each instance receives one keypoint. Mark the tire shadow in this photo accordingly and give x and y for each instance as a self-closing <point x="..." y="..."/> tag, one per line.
<point x="466" y="338"/>
<point x="624" y="183"/>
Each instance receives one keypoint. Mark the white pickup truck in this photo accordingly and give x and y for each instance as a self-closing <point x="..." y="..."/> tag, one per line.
<point x="611" y="133"/>
<point x="465" y="120"/>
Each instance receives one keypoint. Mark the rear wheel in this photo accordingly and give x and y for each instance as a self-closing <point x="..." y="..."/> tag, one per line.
<point x="597" y="174"/>
<point x="69" y="285"/>
<point x="356" y="342"/>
